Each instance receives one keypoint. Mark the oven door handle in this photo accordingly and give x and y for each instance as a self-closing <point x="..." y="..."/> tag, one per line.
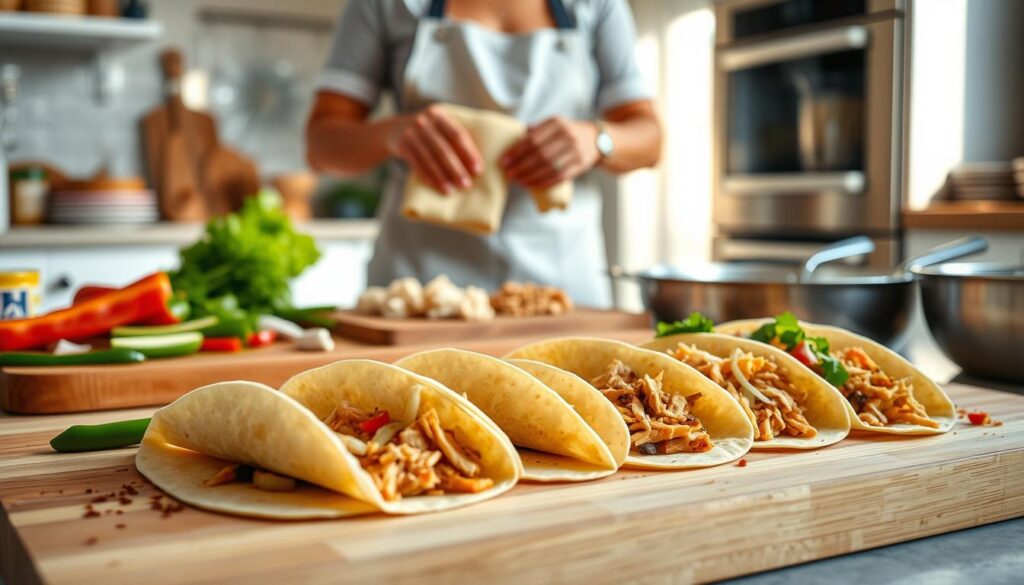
<point x="844" y="182"/>
<point x="788" y="49"/>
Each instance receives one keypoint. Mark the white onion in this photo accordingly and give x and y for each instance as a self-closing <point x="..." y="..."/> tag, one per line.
<point x="746" y="385"/>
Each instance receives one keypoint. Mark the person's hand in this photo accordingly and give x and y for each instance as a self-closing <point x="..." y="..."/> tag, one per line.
<point x="551" y="152"/>
<point x="437" y="148"/>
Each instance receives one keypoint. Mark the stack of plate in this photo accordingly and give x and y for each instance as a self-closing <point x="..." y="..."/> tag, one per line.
<point x="1018" y="174"/>
<point x="103" y="207"/>
<point x="983" y="181"/>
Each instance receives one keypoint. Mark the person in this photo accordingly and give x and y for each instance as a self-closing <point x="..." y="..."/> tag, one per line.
<point x="563" y="67"/>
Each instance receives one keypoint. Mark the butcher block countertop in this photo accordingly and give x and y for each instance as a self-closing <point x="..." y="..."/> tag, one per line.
<point x="777" y="509"/>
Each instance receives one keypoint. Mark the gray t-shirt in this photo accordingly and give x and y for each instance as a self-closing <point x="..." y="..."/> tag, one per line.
<point x="374" y="39"/>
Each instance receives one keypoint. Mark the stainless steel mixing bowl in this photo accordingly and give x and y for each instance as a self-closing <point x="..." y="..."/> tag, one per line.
<point x="975" y="311"/>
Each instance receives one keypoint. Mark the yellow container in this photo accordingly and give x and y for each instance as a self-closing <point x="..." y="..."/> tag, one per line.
<point x="19" y="294"/>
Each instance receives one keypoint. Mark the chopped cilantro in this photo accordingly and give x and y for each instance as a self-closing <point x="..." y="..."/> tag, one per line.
<point x="695" y="323"/>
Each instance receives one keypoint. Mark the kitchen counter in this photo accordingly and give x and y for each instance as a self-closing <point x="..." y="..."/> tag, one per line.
<point x="176" y="234"/>
<point x="989" y="553"/>
<point x="967" y="215"/>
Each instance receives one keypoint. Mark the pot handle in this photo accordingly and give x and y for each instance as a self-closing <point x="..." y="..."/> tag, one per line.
<point x="946" y="252"/>
<point x="854" y="246"/>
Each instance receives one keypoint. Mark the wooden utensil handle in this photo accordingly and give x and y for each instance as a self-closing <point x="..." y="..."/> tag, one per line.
<point x="171" y="62"/>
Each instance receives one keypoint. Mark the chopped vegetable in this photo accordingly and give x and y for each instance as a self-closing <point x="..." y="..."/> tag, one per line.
<point x="804" y="354"/>
<point x="370" y="425"/>
<point x="96" y="437"/>
<point x="65" y="347"/>
<point x="251" y="255"/>
<point x="695" y="323"/>
<point x="162" y="345"/>
<point x="309" y="316"/>
<point x="283" y="326"/>
<point x="978" y="418"/>
<point x="262" y="338"/>
<point x="151" y="330"/>
<point x="96" y="316"/>
<point x="176" y="310"/>
<point x="315" y="339"/>
<point x="785" y="332"/>
<point x="108" y="356"/>
<point x="223" y="344"/>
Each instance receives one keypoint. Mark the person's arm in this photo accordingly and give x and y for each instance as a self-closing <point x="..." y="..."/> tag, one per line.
<point x="341" y="140"/>
<point x="559" y="149"/>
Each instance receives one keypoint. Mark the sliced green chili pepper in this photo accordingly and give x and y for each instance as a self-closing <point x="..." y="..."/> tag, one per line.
<point x="97" y="437"/>
<point x="106" y="356"/>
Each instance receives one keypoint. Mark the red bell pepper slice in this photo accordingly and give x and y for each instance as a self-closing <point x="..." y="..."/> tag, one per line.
<point x="92" y="291"/>
<point x="262" y="338"/>
<point x="222" y="344"/>
<point x="135" y="302"/>
<point x="375" y="422"/>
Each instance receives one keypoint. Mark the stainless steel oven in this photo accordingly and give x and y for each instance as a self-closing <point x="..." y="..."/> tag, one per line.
<point x="809" y="123"/>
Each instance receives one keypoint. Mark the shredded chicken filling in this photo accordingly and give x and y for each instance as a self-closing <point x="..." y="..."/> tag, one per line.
<point x="783" y="415"/>
<point x="879" y="399"/>
<point x="658" y="421"/>
<point x="421" y="459"/>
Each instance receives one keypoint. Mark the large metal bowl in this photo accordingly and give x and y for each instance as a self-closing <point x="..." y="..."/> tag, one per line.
<point x="975" y="312"/>
<point x="878" y="307"/>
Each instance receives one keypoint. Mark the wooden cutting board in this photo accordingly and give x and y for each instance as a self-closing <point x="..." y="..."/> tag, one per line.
<point x="155" y="382"/>
<point x="659" y="527"/>
<point x="385" y="331"/>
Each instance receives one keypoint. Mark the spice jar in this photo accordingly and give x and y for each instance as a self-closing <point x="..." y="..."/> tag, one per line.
<point x="19" y="294"/>
<point x="29" y="190"/>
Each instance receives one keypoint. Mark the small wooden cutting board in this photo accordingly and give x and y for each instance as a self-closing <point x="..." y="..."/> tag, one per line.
<point x="387" y="331"/>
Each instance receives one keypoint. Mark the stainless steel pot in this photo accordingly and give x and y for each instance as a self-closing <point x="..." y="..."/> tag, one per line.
<point x="877" y="306"/>
<point x="975" y="312"/>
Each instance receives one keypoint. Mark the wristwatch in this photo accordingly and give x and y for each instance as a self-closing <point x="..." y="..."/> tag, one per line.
<point x="604" y="143"/>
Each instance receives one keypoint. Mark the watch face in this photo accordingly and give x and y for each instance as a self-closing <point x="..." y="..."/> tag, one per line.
<point x="604" y="144"/>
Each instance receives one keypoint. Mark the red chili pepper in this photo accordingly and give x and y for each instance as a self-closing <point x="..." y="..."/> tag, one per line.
<point x="92" y="291"/>
<point x="95" y="316"/>
<point x="978" y="418"/>
<point x="373" y="423"/>
<point x="222" y="344"/>
<point x="262" y="338"/>
<point x="803" y="353"/>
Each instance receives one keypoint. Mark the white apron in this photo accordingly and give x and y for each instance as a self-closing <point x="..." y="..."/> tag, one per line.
<point x="530" y="76"/>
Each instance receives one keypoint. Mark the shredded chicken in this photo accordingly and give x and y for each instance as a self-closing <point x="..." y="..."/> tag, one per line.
<point x="422" y="459"/>
<point x="658" y="421"/>
<point x="529" y="299"/>
<point x="783" y="415"/>
<point x="878" y="399"/>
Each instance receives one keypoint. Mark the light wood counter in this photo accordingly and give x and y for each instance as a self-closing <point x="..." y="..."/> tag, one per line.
<point x="967" y="215"/>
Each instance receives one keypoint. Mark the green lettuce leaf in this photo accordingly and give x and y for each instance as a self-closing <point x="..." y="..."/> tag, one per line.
<point x="694" y="323"/>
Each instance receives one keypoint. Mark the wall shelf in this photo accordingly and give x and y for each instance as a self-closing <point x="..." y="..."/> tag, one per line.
<point x="21" y="29"/>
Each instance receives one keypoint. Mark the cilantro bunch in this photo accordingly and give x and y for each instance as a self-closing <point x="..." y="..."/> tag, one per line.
<point x="245" y="261"/>
<point x="786" y="331"/>
<point x="694" y="323"/>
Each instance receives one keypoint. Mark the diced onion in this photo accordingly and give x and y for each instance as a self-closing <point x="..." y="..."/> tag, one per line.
<point x="744" y="383"/>
<point x="353" y="444"/>
<point x="387" y="432"/>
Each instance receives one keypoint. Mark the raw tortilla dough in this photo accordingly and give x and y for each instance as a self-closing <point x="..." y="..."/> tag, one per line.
<point x="479" y="208"/>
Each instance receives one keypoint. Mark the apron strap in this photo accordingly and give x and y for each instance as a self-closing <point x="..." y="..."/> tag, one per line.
<point x="563" y="19"/>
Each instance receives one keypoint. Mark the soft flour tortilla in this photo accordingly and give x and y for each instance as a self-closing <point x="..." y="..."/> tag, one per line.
<point x="479" y="208"/>
<point x="195" y="436"/>
<point x="554" y="441"/>
<point x="824" y="407"/>
<point x="730" y="431"/>
<point x="596" y="410"/>
<point x="367" y="384"/>
<point x="938" y="406"/>
<point x="243" y="422"/>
